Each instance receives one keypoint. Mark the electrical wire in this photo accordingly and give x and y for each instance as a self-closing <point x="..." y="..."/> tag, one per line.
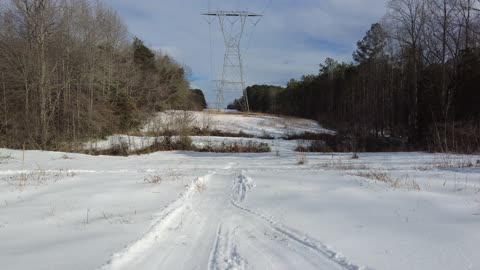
<point x="212" y="69"/>
<point x="267" y="6"/>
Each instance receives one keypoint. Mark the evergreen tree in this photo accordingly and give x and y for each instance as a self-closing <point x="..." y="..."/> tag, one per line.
<point x="142" y="55"/>
<point x="372" y="46"/>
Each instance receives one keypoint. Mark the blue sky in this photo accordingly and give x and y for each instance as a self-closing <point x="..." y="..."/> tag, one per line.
<point x="292" y="39"/>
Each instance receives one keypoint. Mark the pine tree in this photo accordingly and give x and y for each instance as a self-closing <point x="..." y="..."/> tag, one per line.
<point x="372" y="45"/>
<point x="142" y="55"/>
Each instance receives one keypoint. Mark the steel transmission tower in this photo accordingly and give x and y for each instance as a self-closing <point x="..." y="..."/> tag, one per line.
<point x="233" y="25"/>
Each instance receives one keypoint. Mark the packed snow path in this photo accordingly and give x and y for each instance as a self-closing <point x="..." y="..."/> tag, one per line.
<point x="208" y="228"/>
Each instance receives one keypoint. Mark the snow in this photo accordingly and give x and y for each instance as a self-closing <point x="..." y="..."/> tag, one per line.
<point x="254" y="124"/>
<point x="239" y="211"/>
<point x="265" y="129"/>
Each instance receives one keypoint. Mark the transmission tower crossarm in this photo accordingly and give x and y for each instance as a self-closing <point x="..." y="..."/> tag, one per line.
<point x="232" y="14"/>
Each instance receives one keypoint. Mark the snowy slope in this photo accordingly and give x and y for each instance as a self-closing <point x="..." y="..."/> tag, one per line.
<point x="239" y="211"/>
<point x="253" y="124"/>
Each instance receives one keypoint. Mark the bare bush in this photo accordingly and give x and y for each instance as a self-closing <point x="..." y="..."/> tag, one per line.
<point x="236" y="147"/>
<point x="196" y="131"/>
<point x="180" y="122"/>
<point x="312" y="146"/>
<point x="168" y="143"/>
<point x="118" y="147"/>
<point x="206" y="122"/>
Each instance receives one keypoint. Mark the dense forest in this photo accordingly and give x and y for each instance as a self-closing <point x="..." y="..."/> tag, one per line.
<point x="70" y="71"/>
<point x="414" y="77"/>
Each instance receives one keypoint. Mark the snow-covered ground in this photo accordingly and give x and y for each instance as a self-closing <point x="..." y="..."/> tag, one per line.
<point x="264" y="129"/>
<point x="239" y="211"/>
<point x="254" y="124"/>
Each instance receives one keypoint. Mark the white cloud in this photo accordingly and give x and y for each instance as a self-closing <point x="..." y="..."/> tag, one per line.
<point x="293" y="38"/>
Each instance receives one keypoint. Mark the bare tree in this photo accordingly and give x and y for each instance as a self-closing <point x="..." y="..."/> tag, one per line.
<point x="68" y="71"/>
<point x="409" y="18"/>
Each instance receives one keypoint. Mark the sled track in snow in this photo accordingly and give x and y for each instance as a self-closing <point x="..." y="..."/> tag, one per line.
<point x="225" y="253"/>
<point x="184" y="237"/>
<point x="299" y="239"/>
<point x="243" y="184"/>
<point x="166" y="216"/>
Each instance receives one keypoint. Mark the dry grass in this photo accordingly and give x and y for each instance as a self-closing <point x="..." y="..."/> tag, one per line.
<point x="424" y="168"/>
<point x="118" y="147"/>
<point x="376" y="175"/>
<point x="158" y="177"/>
<point x="448" y="163"/>
<point x="384" y="177"/>
<point x="236" y="147"/>
<point x="316" y="146"/>
<point x="153" y="179"/>
<point x="461" y="164"/>
<point x="301" y="158"/>
<point x="200" y="186"/>
<point x="37" y="177"/>
<point x="66" y="157"/>
<point x="183" y="143"/>
<point x="5" y="158"/>
<point x="344" y="165"/>
<point x="216" y="112"/>
<point x="117" y="218"/>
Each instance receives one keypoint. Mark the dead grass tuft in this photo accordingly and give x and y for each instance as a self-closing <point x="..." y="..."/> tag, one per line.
<point x="153" y="179"/>
<point x="5" y="158"/>
<point x="200" y="186"/>
<point x="461" y="164"/>
<point x="385" y="177"/>
<point x="301" y="158"/>
<point x="37" y="177"/>
<point x="342" y="165"/>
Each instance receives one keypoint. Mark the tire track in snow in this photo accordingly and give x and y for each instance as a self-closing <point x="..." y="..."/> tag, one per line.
<point x="243" y="183"/>
<point x="240" y="236"/>
<point x="225" y="253"/>
<point x="166" y="217"/>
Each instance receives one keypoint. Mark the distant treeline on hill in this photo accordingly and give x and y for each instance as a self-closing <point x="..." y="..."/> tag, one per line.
<point x="421" y="86"/>
<point x="68" y="72"/>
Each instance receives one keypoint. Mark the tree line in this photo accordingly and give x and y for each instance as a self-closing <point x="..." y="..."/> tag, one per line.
<point x="415" y="76"/>
<point x="69" y="71"/>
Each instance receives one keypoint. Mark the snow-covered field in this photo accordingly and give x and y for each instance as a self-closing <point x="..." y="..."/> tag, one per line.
<point x="239" y="211"/>
<point x="254" y="124"/>
<point x="264" y="128"/>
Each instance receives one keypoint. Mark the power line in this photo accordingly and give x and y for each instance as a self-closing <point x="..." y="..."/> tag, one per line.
<point x="232" y="25"/>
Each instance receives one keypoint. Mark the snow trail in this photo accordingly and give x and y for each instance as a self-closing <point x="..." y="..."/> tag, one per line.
<point x="207" y="228"/>
<point x="166" y="219"/>
<point x="225" y="252"/>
